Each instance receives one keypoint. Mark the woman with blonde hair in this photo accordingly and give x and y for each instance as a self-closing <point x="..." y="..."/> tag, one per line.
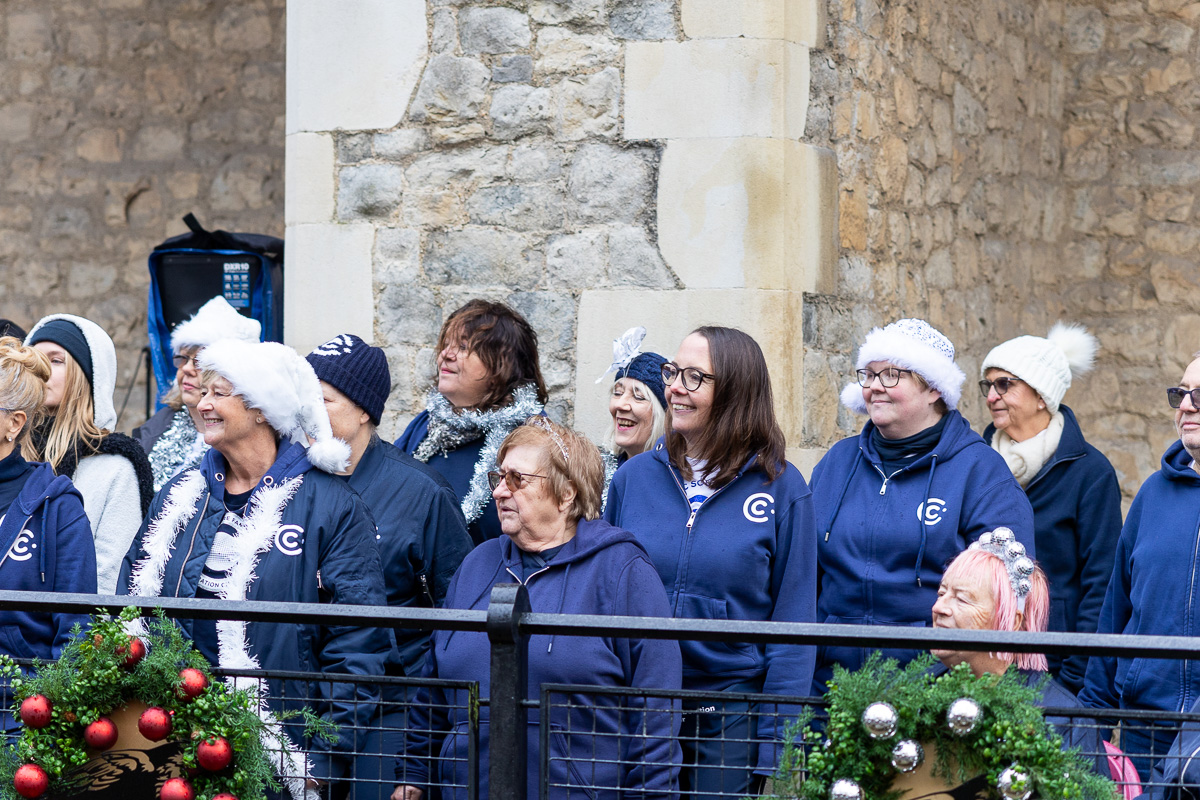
<point x="76" y="438"/>
<point x="44" y="534"/>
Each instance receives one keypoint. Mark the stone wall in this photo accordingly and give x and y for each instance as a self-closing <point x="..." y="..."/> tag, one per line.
<point x="117" y="117"/>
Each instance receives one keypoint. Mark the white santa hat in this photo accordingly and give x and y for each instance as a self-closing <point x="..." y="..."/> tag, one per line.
<point x="215" y="320"/>
<point x="276" y="381"/>
<point x="910" y="344"/>
<point x="1046" y="364"/>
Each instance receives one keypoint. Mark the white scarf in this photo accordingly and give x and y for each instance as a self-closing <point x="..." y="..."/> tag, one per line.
<point x="1026" y="459"/>
<point x="254" y="536"/>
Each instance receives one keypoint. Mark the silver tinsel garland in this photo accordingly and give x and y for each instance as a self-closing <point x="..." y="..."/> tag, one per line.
<point x="450" y="429"/>
<point x="180" y="447"/>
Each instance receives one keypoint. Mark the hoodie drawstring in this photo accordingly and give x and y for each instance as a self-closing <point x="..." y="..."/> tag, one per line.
<point x="562" y="600"/>
<point x="921" y="519"/>
<point x="43" y="548"/>
<point x="838" y="505"/>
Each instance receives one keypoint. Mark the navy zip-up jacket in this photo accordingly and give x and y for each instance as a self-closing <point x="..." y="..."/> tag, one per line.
<point x="1077" y="520"/>
<point x="886" y="539"/>
<point x="421" y="536"/>
<point x="748" y="553"/>
<point x="1153" y="592"/>
<point x="624" y="746"/>
<point x="457" y="467"/>
<point x="324" y="552"/>
<point x="47" y="545"/>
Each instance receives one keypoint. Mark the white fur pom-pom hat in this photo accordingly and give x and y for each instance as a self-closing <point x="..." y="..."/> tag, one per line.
<point x="910" y="344"/>
<point x="1048" y="364"/>
<point x="216" y="320"/>
<point x="277" y="382"/>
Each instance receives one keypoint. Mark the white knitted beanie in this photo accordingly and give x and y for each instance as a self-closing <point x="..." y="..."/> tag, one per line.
<point x="1046" y="364"/>
<point x="276" y="381"/>
<point x="910" y="344"/>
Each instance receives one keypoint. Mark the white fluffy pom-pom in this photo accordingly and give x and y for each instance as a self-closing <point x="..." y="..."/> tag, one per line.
<point x="1077" y="345"/>
<point x="852" y="398"/>
<point x="331" y="455"/>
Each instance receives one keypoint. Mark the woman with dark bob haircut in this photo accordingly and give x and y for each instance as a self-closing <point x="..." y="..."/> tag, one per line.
<point x="488" y="383"/>
<point x="751" y="556"/>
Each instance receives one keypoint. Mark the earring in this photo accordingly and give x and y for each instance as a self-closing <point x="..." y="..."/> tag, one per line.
<point x="259" y="420"/>
<point x="9" y="438"/>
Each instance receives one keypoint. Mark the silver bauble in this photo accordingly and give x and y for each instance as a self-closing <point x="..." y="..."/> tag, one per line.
<point x="880" y="720"/>
<point x="907" y="755"/>
<point x="1023" y="566"/>
<point x="963" y="716"/>
<point x="1002" y="536"/>
<point x="1014" y="550"/>
<point x="1014" y="784"/>
<point x="986" y="538"/>
<point x="845" y="789"/>
<point x="1023" y="587"/>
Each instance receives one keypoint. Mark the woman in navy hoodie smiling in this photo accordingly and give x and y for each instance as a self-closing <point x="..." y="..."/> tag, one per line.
<point x="906" y="495"/>
<point x="547" y="493"/>
<point x="729" y="525"/>
<point x="44" y="533"/>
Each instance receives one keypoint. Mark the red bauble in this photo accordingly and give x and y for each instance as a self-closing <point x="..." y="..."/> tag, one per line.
<point x="214" y="754"/>
<point x="155" y="724"/>
<point x="134" y="653"/>
<point x="31" y="780"/>
<point x="191" y="684"/>
<point x="177" y="789"/>
<point x="101" y="734"/>
<point x="224" y="796"/>
<point x="35" y="711"/>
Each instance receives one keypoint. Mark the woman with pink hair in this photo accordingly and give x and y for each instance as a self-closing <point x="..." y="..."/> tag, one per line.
<point x="994" y="585"/>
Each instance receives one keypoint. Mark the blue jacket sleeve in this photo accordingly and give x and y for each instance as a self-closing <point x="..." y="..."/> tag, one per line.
<point x="446" y="541"/>
<point x="650" y="725"/>
<point x="351" y="575"/>
<point x="1099" y="685"/>
<point x="74" y="562"/>
<point x="794" y="586"/>
<point x="1098" y="525"/>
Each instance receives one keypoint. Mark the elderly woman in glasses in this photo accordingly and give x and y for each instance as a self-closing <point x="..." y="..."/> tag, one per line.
<point x="906" y="495"/>
<point x="1070" y="484"/>
<point x="728" y="523"/>
<point x="547" y="492"/>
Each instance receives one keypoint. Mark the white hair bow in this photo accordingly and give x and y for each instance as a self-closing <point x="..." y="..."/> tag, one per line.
<point x="625" y="350"/>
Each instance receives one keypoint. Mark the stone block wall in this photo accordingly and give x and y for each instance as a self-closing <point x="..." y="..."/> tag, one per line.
<point x="117" y="117"/>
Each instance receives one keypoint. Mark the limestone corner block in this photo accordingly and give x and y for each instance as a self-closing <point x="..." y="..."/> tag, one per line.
<point x="799" y="21"/>
<point x="328" y="287"/>
<point x="309" y="191"/>
<point x="773" y="318"/>
<point x="352" y="66"/>
<point x="753" y="213"/>
<point x="711" y="88"/>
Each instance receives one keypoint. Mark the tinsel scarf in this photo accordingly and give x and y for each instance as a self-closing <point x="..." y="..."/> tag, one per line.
<point x="180" y="447"/>
<point x="254" y="535"/>
<point x="450" y="429"/>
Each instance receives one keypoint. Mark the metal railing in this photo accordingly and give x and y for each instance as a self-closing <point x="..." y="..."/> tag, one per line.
<point x="509" y="623"/>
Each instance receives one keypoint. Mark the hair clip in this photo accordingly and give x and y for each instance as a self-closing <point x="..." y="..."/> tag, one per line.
<point x="1003" y="544"/>
<point x="625" y="350"/>
<point x="546" y="425"/>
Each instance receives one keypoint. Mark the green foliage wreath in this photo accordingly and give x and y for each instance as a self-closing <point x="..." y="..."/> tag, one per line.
<point x="96" y="675"/>
<point x="1009" y="738"/>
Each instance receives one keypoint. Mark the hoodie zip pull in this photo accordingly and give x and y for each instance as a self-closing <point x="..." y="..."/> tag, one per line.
<point x="883" y="488"/>
<point x="691" y="519"/>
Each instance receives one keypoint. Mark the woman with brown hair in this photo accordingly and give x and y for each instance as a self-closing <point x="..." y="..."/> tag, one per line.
<point x="488" y="383"/>
<point x="728" y="523"/>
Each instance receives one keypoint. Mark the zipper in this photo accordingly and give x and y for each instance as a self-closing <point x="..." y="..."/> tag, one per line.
<point x="424" y="579"/>
<point x="1191" y="595"/>
<point x="531" y="577"/>
<point x="192" y="543"/>
<point x="694" y="511"/>
<point x="886" y="478"/>
<point x="1043" y="473"/>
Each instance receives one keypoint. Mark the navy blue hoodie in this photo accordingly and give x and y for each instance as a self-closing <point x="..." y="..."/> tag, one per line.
<point x="421" y="536"/>
<point x="47" y="545"/>
<point x="594" y="743"/>
<point x="324" y="552"/>
<point x="457" y="467"/>
<point x="749" y="553"/>
<point x="885" y="540"/>
<point x="1153" y="592"/>
<point x="1077" y="519"/>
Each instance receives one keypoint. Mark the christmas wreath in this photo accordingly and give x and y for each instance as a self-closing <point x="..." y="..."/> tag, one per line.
<point x="882" y="718"/>
<point x="65" y="706"/>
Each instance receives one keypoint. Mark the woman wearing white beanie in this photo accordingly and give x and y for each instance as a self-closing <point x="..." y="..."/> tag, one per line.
<point x="1070" y="484"/>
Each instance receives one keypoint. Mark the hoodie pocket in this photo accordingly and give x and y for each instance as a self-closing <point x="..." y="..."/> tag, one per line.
<point x="14" y="643"/>
<point x="565" y="774"/>
<point x="714" y="657"/>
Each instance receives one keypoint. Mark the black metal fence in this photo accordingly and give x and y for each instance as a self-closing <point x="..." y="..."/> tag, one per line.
<point x="579" y="757"/>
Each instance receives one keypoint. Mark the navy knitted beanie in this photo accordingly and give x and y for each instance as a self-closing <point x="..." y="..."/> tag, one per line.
<point x="647" y="368"/>
<point x="69" y="337"/>
<point x="357" y="370"/>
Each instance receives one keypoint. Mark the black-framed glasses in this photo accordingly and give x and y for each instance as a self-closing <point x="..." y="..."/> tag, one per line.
<point x="887" y="377"/>
<point x="180" y="360"/>
<point x="692" y="377"/>
<point x="1001" y="385"/>
<point x="1175" y="396"/>
<point x="515" y="480"/>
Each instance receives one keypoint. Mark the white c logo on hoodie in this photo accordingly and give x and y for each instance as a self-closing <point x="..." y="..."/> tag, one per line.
<point x="931" y="513"/>
<point x="289" y="540"/>
<point x="757" y="506"/>
<point x="22" y="549"/>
